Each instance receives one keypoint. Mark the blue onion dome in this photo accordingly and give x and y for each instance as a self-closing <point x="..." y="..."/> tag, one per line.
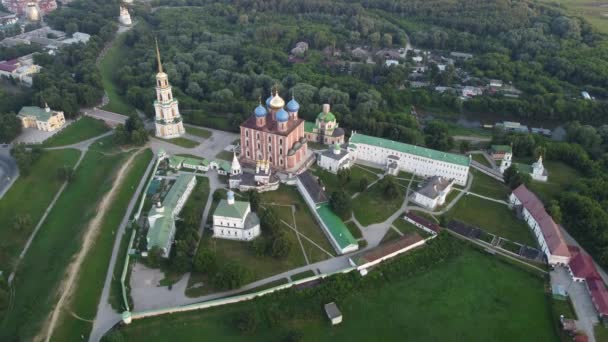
<point x="260" y="111"/>
<point x="268" y="100"/>
<point x="293" y="106"/>
<point x="282" y="115"/>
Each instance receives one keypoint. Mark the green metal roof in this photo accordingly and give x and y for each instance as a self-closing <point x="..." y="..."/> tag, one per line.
<point x="326" y="117"/>
<point x="501" y="148"/>
<point x="337" y="228"/>
<point x="411" y="149"/>
<point x="174" y="161"/>
<point x="176" y="191"/>
<point x="308" y="126"/>
<point x="236" y="210"/>
<point x="160" y="232"/>
<point x="223" y="164"/>
<point x="37" y="112"/>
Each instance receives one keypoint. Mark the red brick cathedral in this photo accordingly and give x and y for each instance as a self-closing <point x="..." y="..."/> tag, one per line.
<point x="274" y="133"/>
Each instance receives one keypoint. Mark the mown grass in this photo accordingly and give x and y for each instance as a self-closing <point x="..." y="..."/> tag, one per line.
<point x="181" y="141"/>
<point x="83" y="129"/>
<point x="30" y="196"/>
<point x="112" y="61"/>
<point x="87" y="290"/>
<point x="44" y="266"/>
<point x="487" y="186"/>
<point x="371" y="206"/>
<point x="199" y="132"/>
<point x="486" y="300"/>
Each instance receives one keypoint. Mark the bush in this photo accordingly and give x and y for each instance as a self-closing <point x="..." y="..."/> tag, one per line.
<point x="247" y="322"/>
<point x="205" y="261"/>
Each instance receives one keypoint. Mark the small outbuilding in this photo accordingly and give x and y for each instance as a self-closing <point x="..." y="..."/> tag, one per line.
<point x="333" y="313"/>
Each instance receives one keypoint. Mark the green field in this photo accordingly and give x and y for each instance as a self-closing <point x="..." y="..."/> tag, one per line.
<point x="112" y="61"/>
<point x="370" y="206"/>
<point x="83" y="129"/>
<point x="391" y="235"/>
<point x="480" y="159"/>
<point x="592" y="11"/>
<point x="30" y="196"/>
<point x="492" y="217"/>
<point x="180" y="141"/>
<point x="473" y="297"/>
<point x="560" y="176"/>
<point x="332" y="183"/>
<point x="199" y="132"/>
<point x="89" y="286"/>
<point x="406" y="227"/>
<point x="59" y="239"/>
<point x="487" y="186"/>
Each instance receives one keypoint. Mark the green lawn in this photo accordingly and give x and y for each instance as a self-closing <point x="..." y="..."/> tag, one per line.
<point x="492" y="217"/>
<point x="473" y="297"/>
<point x="112" y="61"/>
<point x="560" y="176"/>
<point x="332" y="183"/>
<point x="487" y="186"/>
<point x="354" y="230"/>
<point x="406" y="227"/>
<point x="391" y="235"/>
<point x="302" y="275"/>
<point x="92" y="276"/>
<point x="592" y="11"/>
<point x="29" y="197"/>
<point x="225" y="155"/>
<point x="199" y="132"/>
<point x="370" y="206"/>
<point x="105" y="145"/>
<point x="600" y="332"/>
<point x="181" y="141"/>
<point x="478" y="157"/>
<point x="58" y="240"/>
<point x="83" y="129"/>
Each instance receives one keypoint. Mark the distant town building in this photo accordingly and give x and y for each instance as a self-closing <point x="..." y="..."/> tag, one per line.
<point x="300" y="49"/>
<point x="124" y="18"/>
<point x="541" y="131"/>
<point x="391" y="62"/>
<point x="161" y="218"/>
<point x="333" y="313"/>
<point x="19" y="6"/>
<point x="537" y="170"/>
<point x="469" y="91"/>
<point x="168" y="120"/>
<point x="586" y="95"/>
<point x="32" y="13"/>
<point x="43" y="119"/>
<point x="546" y="231"/>
<point x="510" y="126"/>
<point x="495" y="83"/>
<point x="20" y="69"/>
<point x="334" y="159"/>
<point x="234" y="220"/>
<point x="325" y="130"/>
<point x="433" y="192"/>
<point x="461" y="55"/>
<point x="421" y="161"/>
<point x="7" y="19"/>
<point x="359" y="53"/>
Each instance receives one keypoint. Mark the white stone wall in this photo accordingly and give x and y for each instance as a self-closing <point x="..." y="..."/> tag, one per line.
<point x="425" y="201"/>
<point x="233" y="233"/>
<point x="411" y="163"/>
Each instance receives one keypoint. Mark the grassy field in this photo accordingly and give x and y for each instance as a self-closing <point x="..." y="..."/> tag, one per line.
<point x="111" y="62"/>
<point x="370" y="206"/>
<point x="180" y="141"/>
<point x="406" y="227"/>
<point x="492" y="217"/>
<point x="332" y="183"/>
<point x="480" y="159"/>
<point x="199" y="132"/>
<point x="302" y="275"/>
<point x="83" y="129"/>
<point x="560" y="176"/>
<point x="601" y="333"/>
<point x="58" y="240"/>
<point x="224" y="155"/>
<point x="354" y="230"/>
<point x="486" y="300"/>
<point x="91" y="279"/>
<point x="487" y="186"/>
<point x="30" y="196"/>
<point x="594" y="12"/>
<point x="391" y="235"/>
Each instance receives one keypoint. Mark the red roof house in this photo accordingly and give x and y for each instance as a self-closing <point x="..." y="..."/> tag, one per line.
<point x="581" y="266"/>
<point x="599" y="295"/>
<point x="553" y="245"/>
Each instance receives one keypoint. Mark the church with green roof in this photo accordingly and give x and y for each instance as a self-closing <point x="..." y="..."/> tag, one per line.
<point x="325" y="130"/>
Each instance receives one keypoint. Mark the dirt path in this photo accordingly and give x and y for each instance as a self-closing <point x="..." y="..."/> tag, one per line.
<point x="91" y="233"/>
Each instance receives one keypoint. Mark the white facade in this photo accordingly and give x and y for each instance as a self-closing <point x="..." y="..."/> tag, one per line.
<point x="436" y="199"/>
<point x="335" y="159"/>
<point x="125" y="17"/>
<point x="238" y="224"/>
<point x="421" y="166"/>
<point x="538" y="170"/>
<point x="538" y="234"/>
<point x="506" y="162"/>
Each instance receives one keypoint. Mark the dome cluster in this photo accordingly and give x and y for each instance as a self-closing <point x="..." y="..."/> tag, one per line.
<point x="276" y="102"/>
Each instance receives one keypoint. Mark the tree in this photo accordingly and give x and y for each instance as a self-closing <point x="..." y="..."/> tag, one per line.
<point x="344" y="176"/>
<point x="465" y="146"/>
<point x="25" y="159"/>
<point x="340" y="204"/>
<point x="205" y="261"/>
<point x="230" y="276"/>
<point x="254" y="200"/>
<point x="10" y="127"/>
<point x="155" y="256"/>
<point x="281" y="246"/>
<point x="247" y="322"/>
<point x="555" y="211"/>
<point x="436" y="136"/>
<point x="363" y="183"/>
<point x="390" y="187"/>
<point x="269" y="221"/>
<point x="513" y="178"/>
<point x="65" y="174"/>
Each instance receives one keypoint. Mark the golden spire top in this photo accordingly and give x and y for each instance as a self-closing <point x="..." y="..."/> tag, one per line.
<point x="160" y="65"/>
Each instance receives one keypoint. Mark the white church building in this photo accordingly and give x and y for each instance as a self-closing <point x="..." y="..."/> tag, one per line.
<point x="395" y="156"/>
<point x="234" y="220"/>
<point x="334" y="159"/>
<point x="433" y="192"/>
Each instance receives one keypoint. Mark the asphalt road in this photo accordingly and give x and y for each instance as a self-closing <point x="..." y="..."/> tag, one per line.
<point x="8" y="169"/>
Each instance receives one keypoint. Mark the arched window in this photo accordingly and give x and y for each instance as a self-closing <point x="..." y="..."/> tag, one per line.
<point x="246" y="134"/>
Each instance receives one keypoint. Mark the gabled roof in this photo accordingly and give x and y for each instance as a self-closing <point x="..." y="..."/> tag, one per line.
<point x="550" y="230"/>
<point x="308" y="126"/>
<point x="39" y="113"/>
<point x="336" y="227"/>
<point x="411" y="149"/>
<point x="236" y="210"/>
<point x="599" y="294"/>
<point x="582" y="266"/>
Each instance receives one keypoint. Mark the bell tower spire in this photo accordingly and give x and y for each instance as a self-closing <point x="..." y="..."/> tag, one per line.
<point x="160" y="65"/>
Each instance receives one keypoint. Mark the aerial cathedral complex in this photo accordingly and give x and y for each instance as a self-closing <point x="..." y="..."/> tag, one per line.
<point x="168" y="121"/>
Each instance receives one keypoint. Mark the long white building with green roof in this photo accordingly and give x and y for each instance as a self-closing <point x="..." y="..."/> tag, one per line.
<point x="422" y="161"/>
<point x="161" y="218"/>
